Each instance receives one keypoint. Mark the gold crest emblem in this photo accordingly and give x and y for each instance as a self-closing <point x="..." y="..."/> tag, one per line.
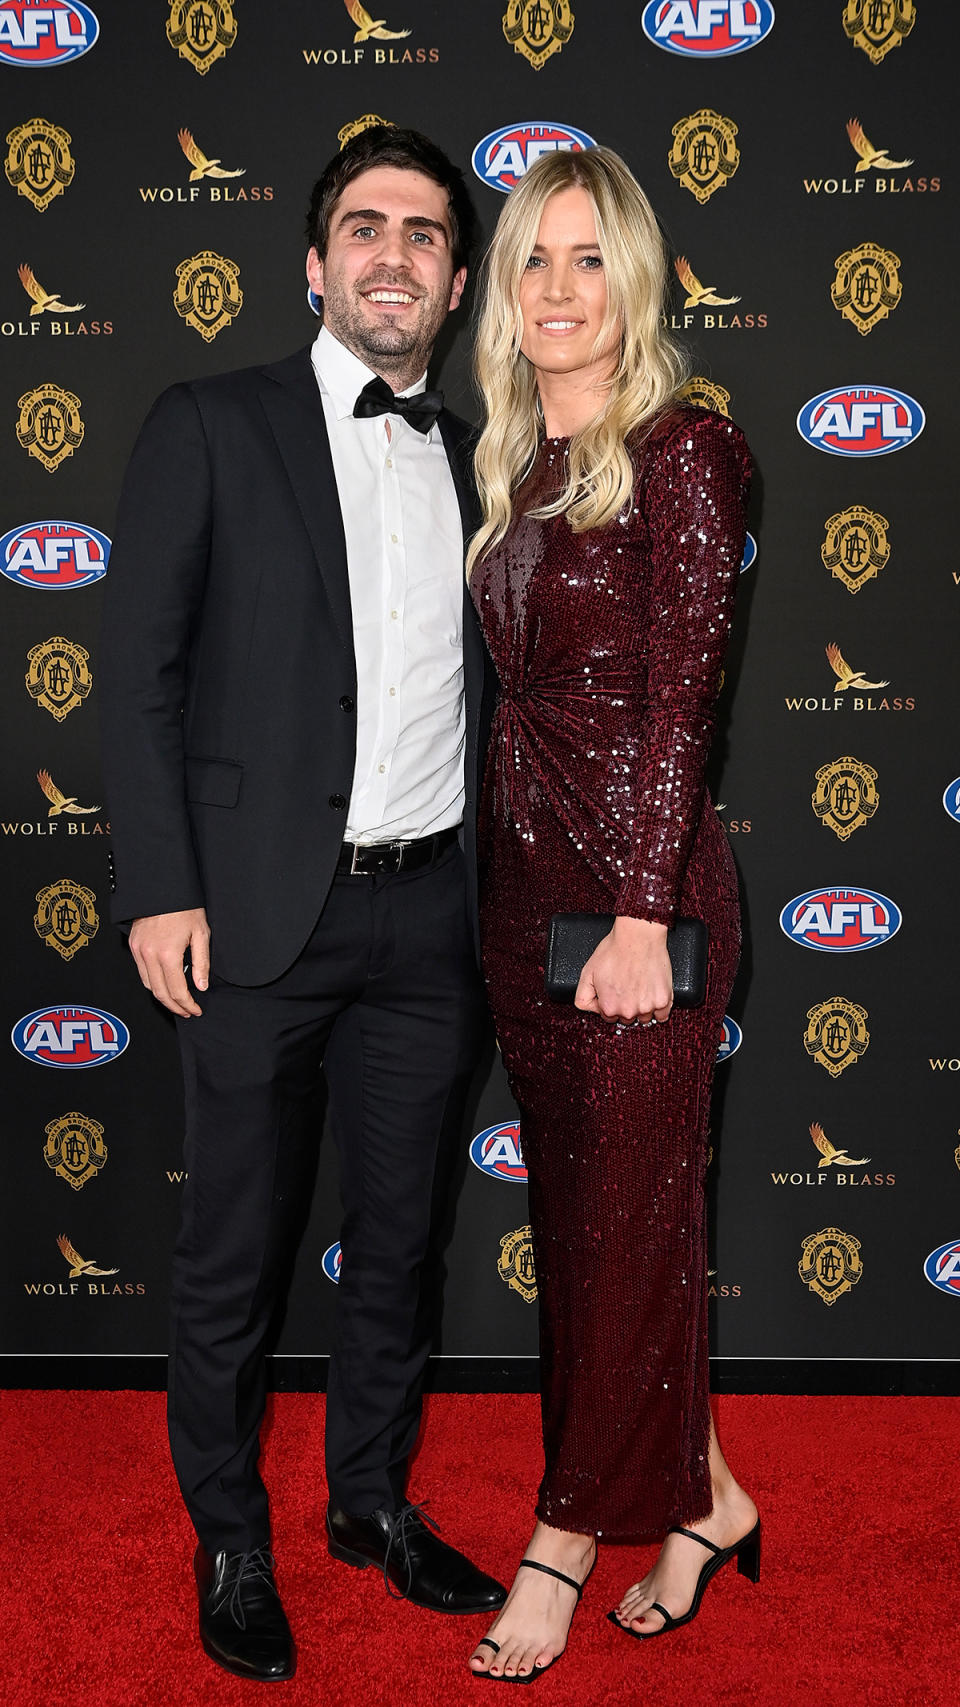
<point x="356" y="127"/>
<point x="956" y="1155"/>
<point x="845" y="797"/>
<point x="855" y="548"/>
<point x="80" y="1268"/>
<point x="74" y="1148"/>
<point x="876" y="26"/>
<point x="830" y="1264"/>
<point x="515" y="1263"/>
<point x="44" y="300"/>
<point x="867" y="286"/>
<point x="836" y="1034"/>
<point x="66" y="917"/>
<point x="201" y="165"/>
<point x="830" y="1156"/>
<point x="58" y="677"/>
<point x="208" y="296"/>
<point x="39" y="164"/>
<point x="705" y="394"/>
<point x="870" y="156"/>
<point x="49" y="427"/>
<point x="538" y="28"/>
<point x="704" y="156"/>
<point x="202" y="31"/>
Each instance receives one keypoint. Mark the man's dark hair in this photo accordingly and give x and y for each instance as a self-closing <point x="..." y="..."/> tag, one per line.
<point x="387" y="145"/>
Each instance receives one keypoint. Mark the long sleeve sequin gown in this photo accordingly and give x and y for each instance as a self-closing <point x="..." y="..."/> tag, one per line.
<point x="608" y="647"/>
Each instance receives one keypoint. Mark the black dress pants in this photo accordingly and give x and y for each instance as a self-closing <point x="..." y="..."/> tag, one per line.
<point x="387" y="1000"/>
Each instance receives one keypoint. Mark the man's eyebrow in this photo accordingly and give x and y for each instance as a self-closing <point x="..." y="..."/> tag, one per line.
<point x="372" y="215"/>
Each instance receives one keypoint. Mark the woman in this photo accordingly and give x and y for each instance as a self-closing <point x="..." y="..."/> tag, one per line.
<point x="604" y="575"/>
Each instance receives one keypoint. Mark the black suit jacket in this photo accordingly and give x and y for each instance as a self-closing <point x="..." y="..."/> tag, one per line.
<point x="227" y="676"/>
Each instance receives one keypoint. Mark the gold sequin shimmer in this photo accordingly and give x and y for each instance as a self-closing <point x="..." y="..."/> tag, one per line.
<point x="608" y="647"/>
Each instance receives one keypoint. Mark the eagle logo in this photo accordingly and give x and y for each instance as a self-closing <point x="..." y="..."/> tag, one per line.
<point x="79" y="1266"/>
<point x="870" y="156"/>
<point x="847" y="678"/>
<point x="48" y="300"/>
<point x="699" y="295"/>
<point x="830" y="1155"/>
<point x="371" y="28"/>
<point x="60" y="802"/>
<point x="203" y="167"/>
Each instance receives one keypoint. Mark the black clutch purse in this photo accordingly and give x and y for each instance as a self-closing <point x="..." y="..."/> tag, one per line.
<point x="572" y="938"/>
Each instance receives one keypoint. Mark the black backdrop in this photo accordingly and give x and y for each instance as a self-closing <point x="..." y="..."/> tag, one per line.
<point x="265" y="91"/>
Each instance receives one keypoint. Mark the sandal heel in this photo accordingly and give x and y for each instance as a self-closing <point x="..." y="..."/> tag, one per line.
<point x="748" y="1557"/>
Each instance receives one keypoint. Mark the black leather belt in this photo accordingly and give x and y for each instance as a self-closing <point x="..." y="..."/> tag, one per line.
<point x="380" y="859"/>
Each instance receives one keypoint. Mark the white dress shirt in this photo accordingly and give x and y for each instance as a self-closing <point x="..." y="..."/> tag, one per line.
<point x="404" y="541"/>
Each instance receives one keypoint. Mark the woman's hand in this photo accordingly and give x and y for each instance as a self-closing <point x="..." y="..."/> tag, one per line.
<point x="628" y="975"/>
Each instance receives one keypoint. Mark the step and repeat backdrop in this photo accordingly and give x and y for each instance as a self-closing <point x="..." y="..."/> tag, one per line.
<point x="158" y="161"/>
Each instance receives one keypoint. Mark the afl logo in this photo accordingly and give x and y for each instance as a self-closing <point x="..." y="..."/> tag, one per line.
<point x="45" y="35"/>
<point x="861" y="420"/>
<point x="331" y="1261"/>
<point x="840" y="921"/>
<point x="731" y="1038"/>
<point x="749" y="553"/>
<point x="951" y="800"/>
<point x="496" y="1151"/>
<point x="942" y="1268"/>
<point x="503" y="157"/>
<point x="707" y="29"/>
<point x="54" y="556"/>
<point x="70" y="1037"/>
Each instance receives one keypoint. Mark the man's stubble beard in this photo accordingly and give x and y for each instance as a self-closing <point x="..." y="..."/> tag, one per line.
<point x="396" y="352"/>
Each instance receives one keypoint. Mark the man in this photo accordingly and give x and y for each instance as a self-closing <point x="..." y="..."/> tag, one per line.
<point x="286" y="646"/>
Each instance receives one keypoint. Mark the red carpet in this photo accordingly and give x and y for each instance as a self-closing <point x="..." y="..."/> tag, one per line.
<point x="857" y="1604"/>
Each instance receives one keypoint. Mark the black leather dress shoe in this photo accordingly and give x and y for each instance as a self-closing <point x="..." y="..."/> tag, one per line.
<point x="421" y="1567"/>
<point x="242" y="1623"/>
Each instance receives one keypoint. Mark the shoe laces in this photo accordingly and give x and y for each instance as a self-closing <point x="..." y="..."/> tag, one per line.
<point x="399" y="1526"/>
<point x="257" y="1566"/>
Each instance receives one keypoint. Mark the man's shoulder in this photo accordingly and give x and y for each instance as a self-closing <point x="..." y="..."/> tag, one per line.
<point x="241" y="382"/>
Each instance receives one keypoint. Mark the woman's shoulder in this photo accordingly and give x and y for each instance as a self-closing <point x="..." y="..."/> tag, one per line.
<point x="687" y="426"/>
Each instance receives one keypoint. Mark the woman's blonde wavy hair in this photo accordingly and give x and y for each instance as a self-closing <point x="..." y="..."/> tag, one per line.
<point x="648" y="375"/>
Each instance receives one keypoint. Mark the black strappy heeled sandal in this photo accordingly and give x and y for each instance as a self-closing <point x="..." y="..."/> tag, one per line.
<point x="538" y="1671"/>
<point x="747" y="1555"/>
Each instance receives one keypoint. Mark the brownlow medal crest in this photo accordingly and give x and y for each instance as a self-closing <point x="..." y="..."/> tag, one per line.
<point x="538" y="28"/>
<point x="39" y="164"/>
<point x="830" y="1264"/>
<point x="58" y="675"/>
<point x="704" y="154"/>
<point x="876" y="26"/>
<point x="856" y="547"/>
<point x="66" y="917"/>
<point x="49" y="426"/>
<point x="515" y="1263"/>
<point x="845" y="797"/>
<point x="202" y="31"/>
<point x="836" y="1034"/>
<point x="706" y="394"/>
<point x="74" y="1148"/>
<point x="867" y="286"/>
<point x="208" y="296"/>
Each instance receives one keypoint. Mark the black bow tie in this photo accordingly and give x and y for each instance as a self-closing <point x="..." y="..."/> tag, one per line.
<point x="420" y="411"/>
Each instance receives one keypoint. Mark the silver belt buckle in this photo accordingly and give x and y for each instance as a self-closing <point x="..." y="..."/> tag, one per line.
<point x="400" y="846"/>
<point x="357" y="849"/>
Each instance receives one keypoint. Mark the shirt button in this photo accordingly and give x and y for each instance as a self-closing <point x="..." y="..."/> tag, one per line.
<point x="393" y="693"/>
<point x="346" y="703"/>
<point x="393" y="615"/>
<point x="389" y="462"/>
<point x="394" y="539"/>
<point x="381" y="769"/>
<point x="338" y="802"/>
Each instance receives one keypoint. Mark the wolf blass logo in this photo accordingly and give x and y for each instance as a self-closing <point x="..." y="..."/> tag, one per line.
<point x="835" y="1166"/>
<point x="369" y="34"/>
<point x="205" y="180"/>
<point x="85" y="1279"/>
<point x="61" y="806"/>
<point x="845" y="694"/>
<point x="711" y="305"/>
<point x="872" y="160"/>
<point x="46" y="305"/>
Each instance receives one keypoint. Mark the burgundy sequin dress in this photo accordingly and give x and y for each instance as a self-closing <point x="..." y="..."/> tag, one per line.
<point x="608" y="647"/>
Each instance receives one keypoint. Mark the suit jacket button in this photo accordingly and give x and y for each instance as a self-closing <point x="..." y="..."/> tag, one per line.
<point x="346" y="703"/>
<point x="338" y="801"/>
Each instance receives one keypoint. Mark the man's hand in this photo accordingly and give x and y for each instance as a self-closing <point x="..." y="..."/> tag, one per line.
<point x="628" y="976"/>
<point x="159" y="945"/>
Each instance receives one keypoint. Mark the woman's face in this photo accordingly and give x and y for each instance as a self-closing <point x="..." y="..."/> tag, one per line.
<point x="563" y="292"/>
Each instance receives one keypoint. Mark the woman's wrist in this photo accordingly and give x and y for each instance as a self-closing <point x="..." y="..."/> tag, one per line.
<point x="628" y="929"/>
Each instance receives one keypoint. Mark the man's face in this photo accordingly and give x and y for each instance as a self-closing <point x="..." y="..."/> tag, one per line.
<point x="387" y="278"/>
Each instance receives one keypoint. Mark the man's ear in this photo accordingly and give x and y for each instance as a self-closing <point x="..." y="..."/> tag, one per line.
<point x="315" y="272"/>
<point x="456" y="288"/>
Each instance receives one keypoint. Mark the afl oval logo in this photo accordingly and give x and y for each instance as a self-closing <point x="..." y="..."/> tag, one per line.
<point x="731" y="1038"/>
<point x="47" y="34"/>
<point x="951" y="800"/>
<point x="749" y="553"/>
<point x="70" y="1037"/>
<point x="54" y="556"/>
<point x="840" y="921"/>
<point x="707" y="29"/>
<point x="942" y="1268"/>
<point x="503" y="157"/>
<point x="861" y="420"/>
<point x="496" y="1151"/>
<point x="331" y="1261"/>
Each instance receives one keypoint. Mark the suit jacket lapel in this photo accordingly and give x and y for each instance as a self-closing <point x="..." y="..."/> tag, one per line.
<point x="293" y="406"/>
